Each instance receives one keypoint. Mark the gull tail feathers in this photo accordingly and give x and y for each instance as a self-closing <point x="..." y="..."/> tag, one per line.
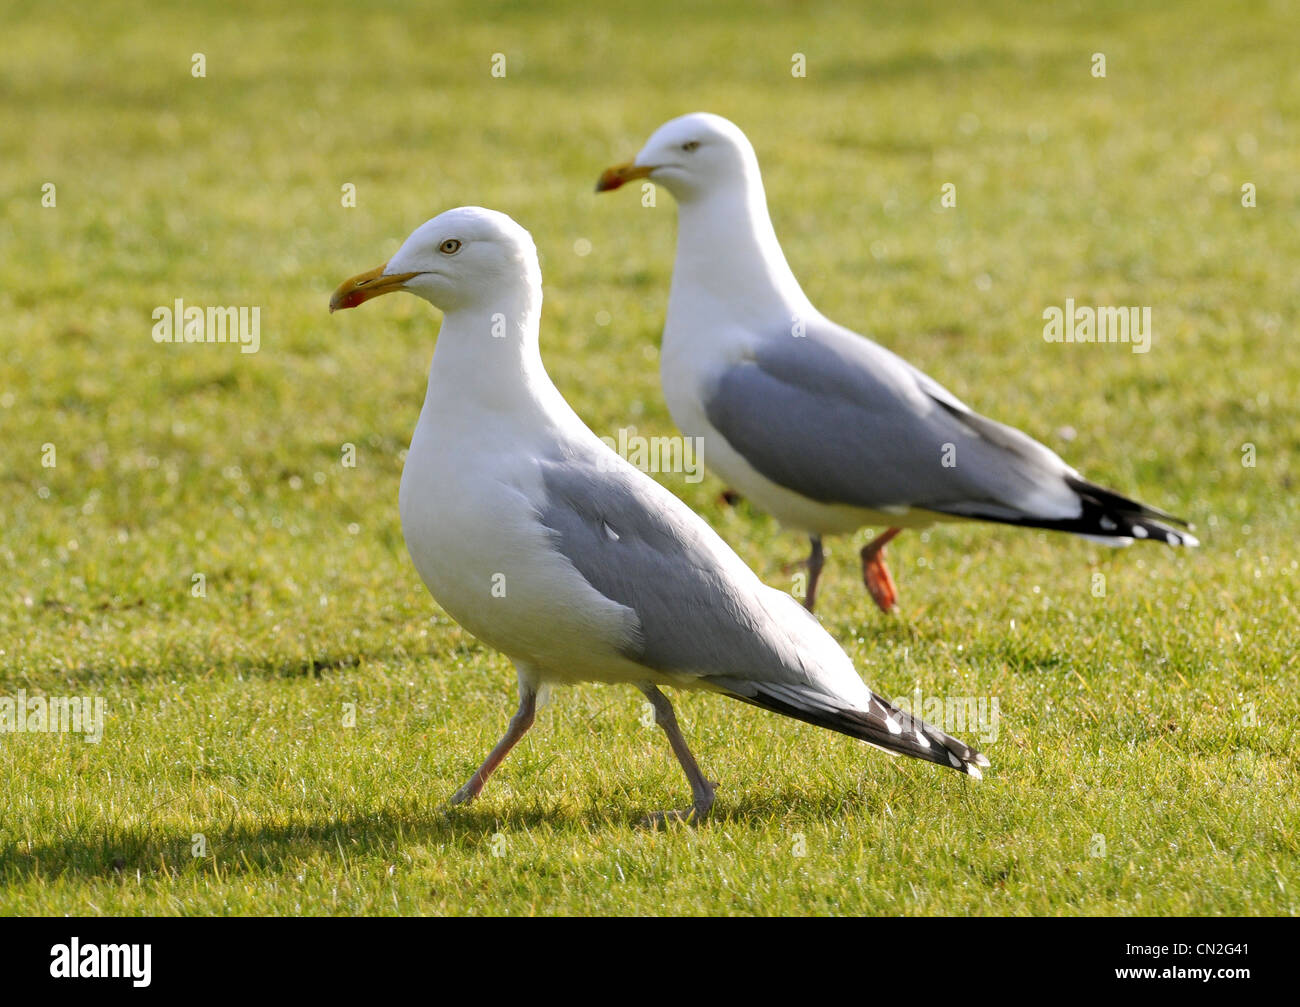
<point x="882" y="725"/>
<point x="1105" y="516"/>
<point x="1105" y="507"/>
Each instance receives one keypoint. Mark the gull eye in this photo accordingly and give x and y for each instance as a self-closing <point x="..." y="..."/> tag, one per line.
<point x="690" y="145"/>
<point x="449" y="247"/>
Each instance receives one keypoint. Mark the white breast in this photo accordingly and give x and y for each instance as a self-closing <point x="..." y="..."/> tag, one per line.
<point x="468" y="503"/>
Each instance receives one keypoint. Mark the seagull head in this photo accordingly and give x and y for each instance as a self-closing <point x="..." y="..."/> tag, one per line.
<point x="690" y="156"/>
<point x="457" y="260"/>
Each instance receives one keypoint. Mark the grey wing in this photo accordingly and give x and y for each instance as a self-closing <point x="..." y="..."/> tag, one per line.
<point x="701" y="614"/>
<point x="632" y="542"/>
<point x="839" y="419"/>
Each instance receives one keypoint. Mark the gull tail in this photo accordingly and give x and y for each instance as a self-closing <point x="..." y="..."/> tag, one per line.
<point x="1113" y="516"/>
<point x="881" y="725"/>
<point x="1105" y="516"/>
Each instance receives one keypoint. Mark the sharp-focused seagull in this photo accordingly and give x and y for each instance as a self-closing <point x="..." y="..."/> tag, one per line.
<point x="545" y="544"/>
<point x="818" y="425"/>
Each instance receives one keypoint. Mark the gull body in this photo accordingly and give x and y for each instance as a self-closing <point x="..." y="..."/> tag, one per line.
<point x="821" y="427"/>
<point x="546" y="545"/>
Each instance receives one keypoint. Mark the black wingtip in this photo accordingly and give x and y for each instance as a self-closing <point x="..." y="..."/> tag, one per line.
<point x="1103" y="514"/>
<point x="1117" y="516"/>
<point x="884" y="726"/>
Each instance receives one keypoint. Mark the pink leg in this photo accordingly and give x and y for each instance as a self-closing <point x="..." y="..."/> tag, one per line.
<point x="519" y="725"/>
<point x="876" y="575"/>
<point x="701" y="789"/>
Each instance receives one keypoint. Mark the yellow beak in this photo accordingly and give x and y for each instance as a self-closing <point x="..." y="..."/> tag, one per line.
<point x="364" y="286"/>
<point x="612" y="178"/>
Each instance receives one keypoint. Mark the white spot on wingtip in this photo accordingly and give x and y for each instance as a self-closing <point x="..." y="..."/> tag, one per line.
<point x="922" y="740"/>
<point x="981" y="759"/>
<point x="893" y="725"/>
<point x="1139" y="531"/>
<point x="956" y="762"/>
<point x="1107" y="524"/>
<point x="613" y="535"/>
<point x="972" y="770"/>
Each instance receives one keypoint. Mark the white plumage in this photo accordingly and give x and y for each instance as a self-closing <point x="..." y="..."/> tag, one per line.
<point x="546" y="545"/>
<point x="819" y="426"/>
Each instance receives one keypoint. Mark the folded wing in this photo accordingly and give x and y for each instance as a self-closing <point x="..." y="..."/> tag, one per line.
<point x="839" y="419"/>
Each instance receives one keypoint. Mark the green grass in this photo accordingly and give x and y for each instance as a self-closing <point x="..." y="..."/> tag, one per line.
<point x="1127" y="716"/>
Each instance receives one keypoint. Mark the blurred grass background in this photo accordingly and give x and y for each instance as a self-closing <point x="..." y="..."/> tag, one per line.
<point x="1161" y="717"/>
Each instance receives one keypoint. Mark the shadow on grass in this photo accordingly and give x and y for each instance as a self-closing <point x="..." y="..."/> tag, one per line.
<point x="312" y="666"/>
<point x="160" y="853"/>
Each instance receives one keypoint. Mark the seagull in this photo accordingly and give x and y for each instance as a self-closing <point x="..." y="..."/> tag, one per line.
<point x="546" y="545"/>
<point x="818" y="425"/>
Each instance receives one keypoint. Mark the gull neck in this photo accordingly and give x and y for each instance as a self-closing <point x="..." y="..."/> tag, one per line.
<point x="488" y="356"/>
<point x="728" y="252"/>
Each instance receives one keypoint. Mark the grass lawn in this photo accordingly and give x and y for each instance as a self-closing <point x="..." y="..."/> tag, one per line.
<point x="1145" y="760"/>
